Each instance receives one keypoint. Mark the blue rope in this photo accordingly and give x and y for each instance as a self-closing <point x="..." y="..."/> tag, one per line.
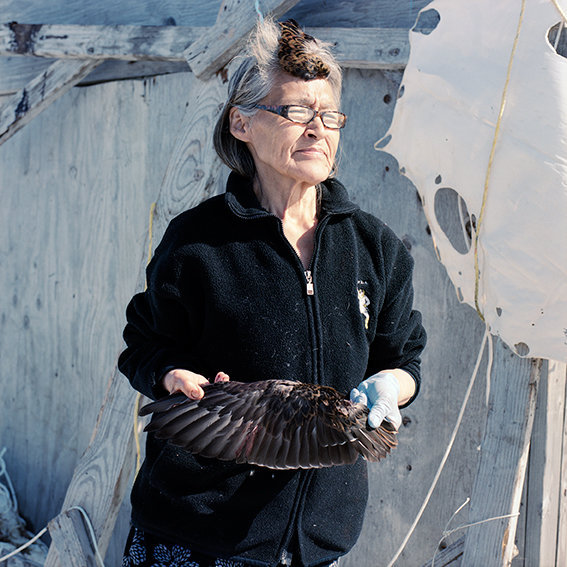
<point x="258" y="11"/>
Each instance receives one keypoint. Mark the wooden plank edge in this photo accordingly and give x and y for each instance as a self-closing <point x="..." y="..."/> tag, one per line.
<point x="368" y="48"/>
<point x="39" y="93"/>
<point x="543" y="485"/>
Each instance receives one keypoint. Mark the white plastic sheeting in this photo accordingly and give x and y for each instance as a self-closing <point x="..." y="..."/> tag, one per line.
<point x="442" y="134"/>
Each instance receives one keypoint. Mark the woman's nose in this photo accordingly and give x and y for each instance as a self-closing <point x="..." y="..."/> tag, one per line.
<point x="315" y="128"/>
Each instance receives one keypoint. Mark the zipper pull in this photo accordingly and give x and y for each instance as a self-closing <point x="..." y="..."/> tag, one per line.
<point x="309" y="280"/>
<point x="285" y="558"/>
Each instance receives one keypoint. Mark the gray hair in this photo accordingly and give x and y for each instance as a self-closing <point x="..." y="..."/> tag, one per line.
<point x="252" y="81"/>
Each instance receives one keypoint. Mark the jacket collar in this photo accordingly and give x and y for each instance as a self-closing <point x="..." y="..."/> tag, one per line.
<point x="242" y="200"/>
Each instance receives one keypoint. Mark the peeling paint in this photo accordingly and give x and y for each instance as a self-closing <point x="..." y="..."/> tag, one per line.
<point x="23" y="37"/>
<point x="23" y="105"/>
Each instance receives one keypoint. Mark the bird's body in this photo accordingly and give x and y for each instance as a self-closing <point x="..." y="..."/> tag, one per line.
<point x="280" y="424"/>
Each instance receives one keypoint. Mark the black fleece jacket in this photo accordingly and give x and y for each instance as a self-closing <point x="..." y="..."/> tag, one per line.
<point x="226" y="291"/>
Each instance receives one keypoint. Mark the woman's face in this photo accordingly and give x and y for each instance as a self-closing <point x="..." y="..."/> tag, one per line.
<point x="284" y="151"/>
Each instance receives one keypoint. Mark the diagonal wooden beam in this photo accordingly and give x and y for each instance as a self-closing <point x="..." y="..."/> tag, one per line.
<point x="220" y="43"/>
<point x="40" y="92"/>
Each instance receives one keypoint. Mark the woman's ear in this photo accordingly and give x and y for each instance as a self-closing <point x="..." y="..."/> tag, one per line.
<point x="239" y="124"/>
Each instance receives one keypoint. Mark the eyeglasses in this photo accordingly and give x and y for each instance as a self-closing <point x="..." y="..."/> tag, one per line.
<point x="304" y="115"/>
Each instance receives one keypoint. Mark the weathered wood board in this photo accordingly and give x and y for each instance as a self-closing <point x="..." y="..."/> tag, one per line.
<point x="362" y="48"/>
<point x="543" y="519"/>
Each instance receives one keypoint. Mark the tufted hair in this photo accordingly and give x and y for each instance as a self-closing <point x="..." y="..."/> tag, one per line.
<point x="253" y="80"/>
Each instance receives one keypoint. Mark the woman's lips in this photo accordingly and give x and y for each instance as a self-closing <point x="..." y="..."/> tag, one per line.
<point x="311" y="152"/>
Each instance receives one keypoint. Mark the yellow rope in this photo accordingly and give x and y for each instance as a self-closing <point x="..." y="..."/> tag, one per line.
<point x="139" y="396"/>
<point x="491" y="160"/>
<point x="151" y="232"/>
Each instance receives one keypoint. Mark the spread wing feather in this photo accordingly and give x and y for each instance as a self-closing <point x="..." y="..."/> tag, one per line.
<point x="278" y="424"/>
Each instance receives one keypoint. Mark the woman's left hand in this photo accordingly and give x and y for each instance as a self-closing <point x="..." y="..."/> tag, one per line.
<point x="379" y="394"/>
<point x="189" y="383"/>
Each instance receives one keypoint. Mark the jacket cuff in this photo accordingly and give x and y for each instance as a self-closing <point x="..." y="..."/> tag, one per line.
<point x="413" y="369"/>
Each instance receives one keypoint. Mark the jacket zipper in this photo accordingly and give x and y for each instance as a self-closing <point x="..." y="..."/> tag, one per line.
<point x="285" y="555"/>
<point x="310" y="286"/>
<point x="309" y="282"/>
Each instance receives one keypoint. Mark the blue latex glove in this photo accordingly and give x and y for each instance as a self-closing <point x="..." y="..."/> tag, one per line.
<point x="379" y="394"/>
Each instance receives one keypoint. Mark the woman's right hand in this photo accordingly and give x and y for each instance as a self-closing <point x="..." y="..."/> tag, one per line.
<point x="189" y="383"/>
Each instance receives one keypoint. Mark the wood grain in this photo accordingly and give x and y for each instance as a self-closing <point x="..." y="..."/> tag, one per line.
<point x="130" y="57"/>
<point x="451" y="556"/>
<point x="100" y="479"/>
<point x="194" y="170"/>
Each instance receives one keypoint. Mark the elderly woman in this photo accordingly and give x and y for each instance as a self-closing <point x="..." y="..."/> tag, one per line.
<point x="280" y="277"/>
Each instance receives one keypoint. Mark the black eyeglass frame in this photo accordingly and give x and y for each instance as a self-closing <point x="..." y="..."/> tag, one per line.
<point x="282" y="110"/>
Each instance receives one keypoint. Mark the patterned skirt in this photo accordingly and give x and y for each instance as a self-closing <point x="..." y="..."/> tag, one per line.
<point x="144" y="550"/>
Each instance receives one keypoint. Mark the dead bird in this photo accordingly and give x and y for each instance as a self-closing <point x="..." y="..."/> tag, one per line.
<point x="279" y="424"/>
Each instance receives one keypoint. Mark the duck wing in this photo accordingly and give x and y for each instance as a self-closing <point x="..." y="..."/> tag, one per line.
<point x="279" y="424"/>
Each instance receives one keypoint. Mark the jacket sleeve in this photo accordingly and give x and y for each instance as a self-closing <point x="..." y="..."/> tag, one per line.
<point x="161" y="322"/>
<point x="400" y="337"/>
<point x="157" y="341"/>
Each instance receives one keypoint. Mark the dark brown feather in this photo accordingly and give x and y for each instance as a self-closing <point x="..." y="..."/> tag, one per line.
<point x="295" y="56"/>
<point x="278" y="424"/>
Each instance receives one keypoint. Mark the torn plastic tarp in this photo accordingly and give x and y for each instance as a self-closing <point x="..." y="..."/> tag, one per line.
<point x="442" y="134"/>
